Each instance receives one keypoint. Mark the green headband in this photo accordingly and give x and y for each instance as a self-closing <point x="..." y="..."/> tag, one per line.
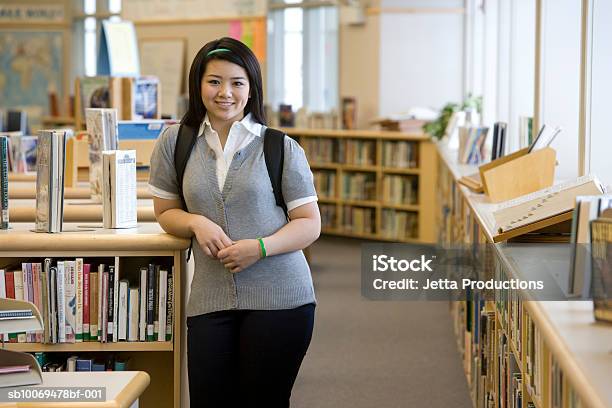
<point x="217" y="50"/>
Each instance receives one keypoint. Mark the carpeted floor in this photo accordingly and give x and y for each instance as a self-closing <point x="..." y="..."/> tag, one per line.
<point x="367" y="354"/>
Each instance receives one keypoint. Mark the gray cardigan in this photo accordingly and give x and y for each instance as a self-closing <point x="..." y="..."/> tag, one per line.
<point x="244" y="209"/>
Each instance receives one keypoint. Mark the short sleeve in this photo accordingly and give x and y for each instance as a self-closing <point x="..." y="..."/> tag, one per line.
<point x="297" y="184"/>
<point x="162" y="175"/>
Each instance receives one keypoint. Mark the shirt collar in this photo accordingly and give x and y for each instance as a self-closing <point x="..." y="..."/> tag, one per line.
<point x="246" y="123"/>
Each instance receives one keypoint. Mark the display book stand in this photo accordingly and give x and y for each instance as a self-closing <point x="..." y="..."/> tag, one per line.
<point x="519" y="174"/>
<point x="8" y="357"/>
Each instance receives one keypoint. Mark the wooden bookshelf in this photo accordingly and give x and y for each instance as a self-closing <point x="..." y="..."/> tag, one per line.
<point x="337" y="153"/>
<point x="130" y="247"/>
<point x="557" y="349"/>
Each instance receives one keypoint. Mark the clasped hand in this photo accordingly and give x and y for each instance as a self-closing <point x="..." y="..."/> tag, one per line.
<point x="235" y="256"/>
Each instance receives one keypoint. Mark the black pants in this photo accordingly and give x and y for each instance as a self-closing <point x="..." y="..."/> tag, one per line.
<point x="246" y="358"/>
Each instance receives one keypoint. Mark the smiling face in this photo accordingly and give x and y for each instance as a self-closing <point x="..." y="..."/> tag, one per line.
<point x="225" y="91"/>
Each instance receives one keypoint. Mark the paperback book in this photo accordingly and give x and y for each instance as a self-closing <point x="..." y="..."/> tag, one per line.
<point x="51" y="153"/>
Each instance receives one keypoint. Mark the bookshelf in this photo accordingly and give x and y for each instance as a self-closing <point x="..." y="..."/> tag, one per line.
<point x="130" y="249"/>
<point x="377" y="185"/>
<point x="553" y="354"/>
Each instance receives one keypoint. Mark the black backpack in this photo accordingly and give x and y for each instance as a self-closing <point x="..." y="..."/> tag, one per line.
<point x="274" y="153"/>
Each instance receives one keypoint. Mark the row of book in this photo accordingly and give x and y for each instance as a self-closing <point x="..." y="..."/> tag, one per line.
<point x="85" y="302"/>
<point x="328" y="216"/>
<point x="400" y="189"/>
<point x="399" y="224"/>
<point x="358" y="220"/>
<point x="319" y="150"/>
<point x="56" y="363"/>
<point x="358" y="186"/>
<point x="325" y="183"/>
<point x="400" y="154"/>
<point x="358" y="152"/>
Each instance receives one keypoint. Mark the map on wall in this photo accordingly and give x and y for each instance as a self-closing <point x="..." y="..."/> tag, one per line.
<point x="30" y="68"/>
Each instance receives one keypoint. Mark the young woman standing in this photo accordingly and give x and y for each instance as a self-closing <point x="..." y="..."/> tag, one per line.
<point x="251" y="307"/>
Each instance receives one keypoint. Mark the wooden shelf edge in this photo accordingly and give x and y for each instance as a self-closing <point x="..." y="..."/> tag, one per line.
<point x="91" y="346"/>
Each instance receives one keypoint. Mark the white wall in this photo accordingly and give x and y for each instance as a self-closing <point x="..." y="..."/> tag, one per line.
<point x="560" y="79"/>
<point x="421" y="59"/>
<point x="599" y="161"/>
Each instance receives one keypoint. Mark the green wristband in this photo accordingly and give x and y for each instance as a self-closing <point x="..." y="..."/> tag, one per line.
<point x="263" y="247"/>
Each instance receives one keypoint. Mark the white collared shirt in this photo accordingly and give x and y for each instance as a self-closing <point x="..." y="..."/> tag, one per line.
<point x="240" y="135"/>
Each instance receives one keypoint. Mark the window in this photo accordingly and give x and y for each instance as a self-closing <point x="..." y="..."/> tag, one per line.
<point x="92" y="16"/>
<point x="303" y="55"/>
<point x="559" y="79"/>
<point x="598" y="90"/>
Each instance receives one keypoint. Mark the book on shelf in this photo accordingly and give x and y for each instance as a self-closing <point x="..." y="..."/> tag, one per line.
<point x="400" y="189"/>
<point x="543" y="204"/>
<point x="102" y="130"/>
<point x="4" y="170"/>
<point x="499" y="140"/>
<point x="601" y="252"/>
<point x="114" y="314"/>
<point x="119" y="189"/>
<point x="525" y="130"/>
<point x="17" y="121"/>
<point x="472" y="144"/>
<point x="349" y="112"/>
<point x="22" y="152"/>
<point x="143" y="99"/>
<point x="544" y="138"/>
<point x="51" y="153"/>
<point x="587" y="208"/>
<point x="400" y="154"/>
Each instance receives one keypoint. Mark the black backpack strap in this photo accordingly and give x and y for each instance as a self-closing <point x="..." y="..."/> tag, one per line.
<point x="184" y="145"/>
<point x="185" y="141"/>
<point x="274" y="153"/>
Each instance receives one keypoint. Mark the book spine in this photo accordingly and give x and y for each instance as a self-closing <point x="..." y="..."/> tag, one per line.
<point x="78" y="284"/>
<point x="163" y="296"/>
<point x="150" y="302"/>
<point x="52" y="278"/>
<point x="143" y="290"/>
<point x="46" y="300"/>
<point x="101" y="294"/>
<point x="19" y="295"/>
<point x="93" y="306"/>
<point x="116" y="300"/>
<point x="104" y="308"/>
<point x="71" y="301"/>
<point x="28" y="285"/>
<point x="2" y="284"/>
<point x="3" y="337"/>
<point x="133" y="322"/>
<point x="122" y="320"/>
<point x="86" y="303"/>
<point x="39" y="297"/>
<point x="111" y="307"/>
<point x="61" y="302"/>
<point x="4" y="204"/>
<point x="156" y="303"/>
<point x="170" y="306"/>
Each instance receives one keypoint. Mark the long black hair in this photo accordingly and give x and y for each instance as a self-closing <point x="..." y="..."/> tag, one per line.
<point x="237" y="53"/>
